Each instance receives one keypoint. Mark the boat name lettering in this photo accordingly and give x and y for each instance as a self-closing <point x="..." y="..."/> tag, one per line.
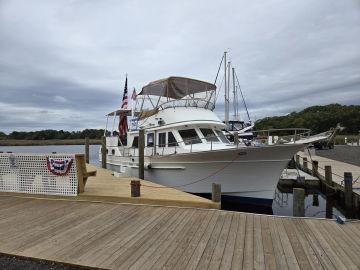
<point x="242" y="153"/>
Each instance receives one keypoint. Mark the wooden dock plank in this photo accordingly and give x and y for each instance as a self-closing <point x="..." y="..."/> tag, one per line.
<point x="165" y="234"/>
<point x="238" y="256"/>
<point x="269" y="255"/>
<point x="119" y="236"/>
<point x="218" y="253"/>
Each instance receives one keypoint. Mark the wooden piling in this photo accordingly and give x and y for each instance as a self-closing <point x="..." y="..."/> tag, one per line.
<point x="328" y="179"/>
<point x="236" y="138"/>
<point x="141" y="153"/>
<point x="216" y="193"/>
<point x="103" y="152"/>
<point x="87" y="151"/>
<point x="298" y="202"/>
<point x="315" y="168"/>
<point x="305" y="165"/>
<point x="297" y="160"/>
<point x="348" y="181"/>
<point x="135" y="188"/>
<point x="315" y="200"/>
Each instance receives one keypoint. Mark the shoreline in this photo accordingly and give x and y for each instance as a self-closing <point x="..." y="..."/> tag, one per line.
<point x="48" y="142"/>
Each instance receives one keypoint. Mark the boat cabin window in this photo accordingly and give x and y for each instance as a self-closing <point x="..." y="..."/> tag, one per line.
<point x="171" y="140"/>
<point x="209" y="135"/>
<point x="221" y="136"/>
<point x="189" y="136"/>
<point x="162" y="139"/>
<point x="135" y="142"/>
<point x="150" y="140"/>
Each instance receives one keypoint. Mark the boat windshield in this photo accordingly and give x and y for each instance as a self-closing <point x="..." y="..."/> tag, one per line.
<point x="189" y="136"/>
<point x="209" y="135"/>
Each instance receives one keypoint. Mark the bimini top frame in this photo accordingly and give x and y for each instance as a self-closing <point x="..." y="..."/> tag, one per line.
<point x="176" y="92"/>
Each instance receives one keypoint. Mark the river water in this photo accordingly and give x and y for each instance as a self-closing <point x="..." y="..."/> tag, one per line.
<point x="315" y="204"/>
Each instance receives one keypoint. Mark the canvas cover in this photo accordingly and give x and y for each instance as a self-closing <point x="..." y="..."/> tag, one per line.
<point x="176" y="87"/>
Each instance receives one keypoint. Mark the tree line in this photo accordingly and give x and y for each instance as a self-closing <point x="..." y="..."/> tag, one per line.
<point x="317" y="118"/>
<point x="50" y="134"/>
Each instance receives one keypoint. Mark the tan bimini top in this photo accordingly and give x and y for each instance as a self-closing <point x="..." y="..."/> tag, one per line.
<point x="176" y="87"/>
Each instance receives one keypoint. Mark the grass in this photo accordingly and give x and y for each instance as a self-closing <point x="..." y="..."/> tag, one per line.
<point x="46" y="142"/>
<point x="340" y="139"/>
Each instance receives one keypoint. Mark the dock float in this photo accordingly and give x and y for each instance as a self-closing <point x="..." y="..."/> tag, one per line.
<point x="121" y="236"/>
<point x="107" y="187"/>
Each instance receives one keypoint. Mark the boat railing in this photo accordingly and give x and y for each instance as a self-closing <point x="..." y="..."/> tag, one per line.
<point x="188" y="102"/>
<point x="261" y="138"/>
<point x="285" y="134"/>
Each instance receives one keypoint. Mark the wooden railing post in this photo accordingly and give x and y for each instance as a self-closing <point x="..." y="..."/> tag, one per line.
<point x="141" y="152"/>
<point x="80" y="169"/>
<point x="103" y="152"/>
<point x="348" y="181"/>
<point x="298" y="202"/>
<point x="87" y="150"/>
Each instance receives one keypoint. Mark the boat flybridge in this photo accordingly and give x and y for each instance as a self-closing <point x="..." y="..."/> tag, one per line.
<point x="185" y="146"/>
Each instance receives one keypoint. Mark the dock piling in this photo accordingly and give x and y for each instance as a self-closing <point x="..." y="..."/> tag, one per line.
<point x="348" y="181"/>
<point x="328" y="179"/>
<point x="305" y="165"/>
<point x="216" y="193"/>
<point x="103" y="152"/>
<point x="141" y="153"/>
<point x="236" y="138"/>
<point x="87" y="151"/>
<point x="297" y="160"/>
<point x="315" y="168"/>
<point x="135" y="188"/>
<point x="298" y="202"/>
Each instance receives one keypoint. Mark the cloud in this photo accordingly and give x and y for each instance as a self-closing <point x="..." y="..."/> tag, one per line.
<point x="67" y="60"/>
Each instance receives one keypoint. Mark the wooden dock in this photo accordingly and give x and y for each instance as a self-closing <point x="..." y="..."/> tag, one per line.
<point x="106" y="187"/>
<point x="338" y="169"/>
<point x="123" y="236"/>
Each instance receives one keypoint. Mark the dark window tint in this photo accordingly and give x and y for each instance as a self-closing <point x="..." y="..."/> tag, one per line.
<point x="189" y="136"/>
<point x="162" y="139"/>
<point x="222" y="136"/>
<point x="209" y="135"/>
<point x="135" y="142"/>
<point x="171" y="140"/>
<point x="150" y="140"/>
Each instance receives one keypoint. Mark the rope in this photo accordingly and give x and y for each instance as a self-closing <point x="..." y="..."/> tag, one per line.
<point x="199" y="180"/>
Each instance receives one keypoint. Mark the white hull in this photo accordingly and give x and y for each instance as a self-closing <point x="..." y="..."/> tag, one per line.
<point x="251" y="172"/>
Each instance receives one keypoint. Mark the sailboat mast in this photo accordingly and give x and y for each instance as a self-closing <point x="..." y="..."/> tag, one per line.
<point x="236" y="111"/>
<point x="228" y="87"/>
<point x="226" y="97"/>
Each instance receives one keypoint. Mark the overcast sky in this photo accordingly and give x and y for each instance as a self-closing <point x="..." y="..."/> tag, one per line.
<point x="63" y="63"/>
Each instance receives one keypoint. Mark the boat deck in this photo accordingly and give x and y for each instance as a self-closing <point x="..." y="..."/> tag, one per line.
<point x="123" y="236"/>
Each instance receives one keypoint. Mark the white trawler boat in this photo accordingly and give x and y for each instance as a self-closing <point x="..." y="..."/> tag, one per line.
<point x="185" y="147"/>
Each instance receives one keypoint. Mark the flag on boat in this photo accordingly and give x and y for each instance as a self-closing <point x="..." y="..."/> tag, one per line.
<point x="133" y="96"/>
<point x="123" y="126"/>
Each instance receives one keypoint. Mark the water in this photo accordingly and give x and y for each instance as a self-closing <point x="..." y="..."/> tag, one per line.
<point x="282" y="204"/>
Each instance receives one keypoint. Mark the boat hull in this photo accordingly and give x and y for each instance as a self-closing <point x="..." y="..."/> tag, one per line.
<point x="251" y="172"/>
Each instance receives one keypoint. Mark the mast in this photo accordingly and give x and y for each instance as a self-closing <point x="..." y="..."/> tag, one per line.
<point x="226" y="97"/>
<point x="236" y="111"/>
<point x="228" y="87"/>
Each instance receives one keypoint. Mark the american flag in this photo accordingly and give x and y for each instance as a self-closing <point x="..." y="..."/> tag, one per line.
<point x="133" y="96"/>
<point x="123" y="126"/>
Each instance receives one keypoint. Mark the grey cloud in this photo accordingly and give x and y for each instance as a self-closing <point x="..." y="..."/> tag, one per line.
<point x="62" y="63"/>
